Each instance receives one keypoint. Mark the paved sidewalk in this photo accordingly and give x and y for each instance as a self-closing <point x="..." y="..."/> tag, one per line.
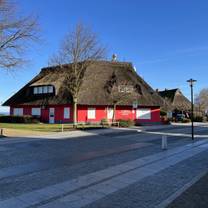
<point x="194" y="197"/>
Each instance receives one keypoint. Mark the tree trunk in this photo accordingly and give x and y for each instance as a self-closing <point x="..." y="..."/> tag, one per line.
<point x="114" y="113"/>
<point x="75" y="112"/>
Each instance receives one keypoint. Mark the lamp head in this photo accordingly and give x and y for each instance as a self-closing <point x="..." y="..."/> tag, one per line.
<point x="191" y="82"/>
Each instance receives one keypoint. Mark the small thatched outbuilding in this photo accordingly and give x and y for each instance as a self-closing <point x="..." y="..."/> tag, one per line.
<point x="175" y="100"/>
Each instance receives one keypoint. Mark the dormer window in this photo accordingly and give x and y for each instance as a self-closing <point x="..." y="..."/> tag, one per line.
<point x="43" y="90"/>
<point x="126" y="88"/>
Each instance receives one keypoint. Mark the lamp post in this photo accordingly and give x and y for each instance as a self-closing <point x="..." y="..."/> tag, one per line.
<point x="191" y="83"/>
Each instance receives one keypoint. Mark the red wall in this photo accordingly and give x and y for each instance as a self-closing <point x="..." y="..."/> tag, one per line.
<point x="122" y="112"/>
<point x="59" y="112"/>
<point x="100" y="113"/>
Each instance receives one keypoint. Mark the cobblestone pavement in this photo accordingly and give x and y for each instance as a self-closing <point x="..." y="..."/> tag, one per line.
<point x="194" y="197"/>
<point x="113" y="168"/>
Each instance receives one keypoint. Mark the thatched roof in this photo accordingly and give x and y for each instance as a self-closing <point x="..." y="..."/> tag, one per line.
<point x="97" y="78"/>
<point x="176" y="99"/>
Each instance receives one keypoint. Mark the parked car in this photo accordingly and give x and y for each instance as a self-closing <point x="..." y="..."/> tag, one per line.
<point x="180" y="117"/>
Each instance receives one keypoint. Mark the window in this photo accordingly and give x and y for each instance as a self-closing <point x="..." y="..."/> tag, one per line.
<point x="121" y="88"/>
<point x="66" y="113"/>
<point x="91" y="113"/>
<point x="40" y="90"/>
<point x="129" y="89"/>
<point x="35" y="90"/>
<point x="18" y="111"/>
<point x="50" y="89"/>
<point x="143" y="113"/>
<point x="110" y="113"/>
<point x="43" y="90"/>
<point x="125" y="88"/>
<point x="36" y="112"/>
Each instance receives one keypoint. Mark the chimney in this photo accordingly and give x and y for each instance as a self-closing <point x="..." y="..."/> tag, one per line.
<point x="114" y="57"/>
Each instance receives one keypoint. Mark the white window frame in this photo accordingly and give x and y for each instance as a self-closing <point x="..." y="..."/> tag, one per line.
<point x="40" y="90"/>
<point x="18" y="111"/>
<point x="45" y="89"/>
<point x="50" y="89"/>
<point x="110" y="113"/>
<point x="91" y="113"/>
<point x="66" y="113"/>
<point x="35" y="90"/>
<point x="143" y="114"/>
<point x="36" y="112"/>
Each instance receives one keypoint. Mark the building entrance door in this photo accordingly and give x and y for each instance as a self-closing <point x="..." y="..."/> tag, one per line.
<point x="51" y="115"/>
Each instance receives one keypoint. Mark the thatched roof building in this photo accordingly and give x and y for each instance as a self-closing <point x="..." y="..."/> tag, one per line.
<point x="175" y="100"/>
<point x="96" y="78"/>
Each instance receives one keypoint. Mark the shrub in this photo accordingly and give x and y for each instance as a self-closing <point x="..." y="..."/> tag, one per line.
<point x="19" y="119"/>
<point x="104" y="121"/>
<point x="198" y="119"/>
<point x="126" y="123"/>
<point x="163" y="113"/>
<point x="186" y="120"/>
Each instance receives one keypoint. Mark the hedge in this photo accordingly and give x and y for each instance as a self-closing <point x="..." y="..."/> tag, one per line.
<point x="19" y="119"/>
<point x="126" y="123"/>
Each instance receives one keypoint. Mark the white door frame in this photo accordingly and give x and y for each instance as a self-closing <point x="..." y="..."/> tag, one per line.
<point x="109" y="113"/>
<point x="51" y="115"/>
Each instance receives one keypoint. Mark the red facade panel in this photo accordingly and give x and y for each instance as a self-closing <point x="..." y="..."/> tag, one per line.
<point x="82" y="113"/>
<point x="122" y="112"/>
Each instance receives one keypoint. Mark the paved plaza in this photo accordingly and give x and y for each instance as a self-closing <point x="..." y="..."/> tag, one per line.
<point x="118" y="168"/>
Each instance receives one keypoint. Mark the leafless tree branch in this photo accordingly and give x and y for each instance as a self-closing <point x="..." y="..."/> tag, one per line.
<point x="16" y="35"/>
<point x="79" y="47"/>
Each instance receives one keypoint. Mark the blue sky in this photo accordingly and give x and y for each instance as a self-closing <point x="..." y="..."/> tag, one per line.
<point x="166" y="40"/>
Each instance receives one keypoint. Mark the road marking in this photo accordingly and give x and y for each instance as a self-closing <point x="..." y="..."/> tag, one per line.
<point x="175" y="134"/>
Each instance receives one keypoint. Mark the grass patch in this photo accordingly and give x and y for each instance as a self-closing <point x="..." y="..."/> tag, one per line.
<point x="37" y="127"/>
<point x="48" y="127"/>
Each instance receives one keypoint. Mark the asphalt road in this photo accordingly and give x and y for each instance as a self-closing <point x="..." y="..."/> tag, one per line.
<point x="29" y="165"/>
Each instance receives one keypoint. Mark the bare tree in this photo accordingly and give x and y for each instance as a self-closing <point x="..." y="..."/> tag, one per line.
<point x="80" y="48"/>
<point x="201" y="100"/>
<point x="16" y="35"/>
<point x="118" y="92"/>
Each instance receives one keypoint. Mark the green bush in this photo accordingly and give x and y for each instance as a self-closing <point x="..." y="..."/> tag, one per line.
<point x="198" y="119"/>
<point x="163" y="113"/>
<point x="19" y="119"/>
<point x="126" y="123"/>
<point x="104" y="121"/>
<point x="186" y="120"/>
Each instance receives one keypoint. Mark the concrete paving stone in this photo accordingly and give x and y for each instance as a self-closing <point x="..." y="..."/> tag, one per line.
<point x="14" y="202"/>
<point x="76" y="200"/>
<point x="32" y="197"/>
<point x="66" y="202"/>
<point x="153" y="189"/>
<point x="52" y="191"/>
<point x="105" y="188"/>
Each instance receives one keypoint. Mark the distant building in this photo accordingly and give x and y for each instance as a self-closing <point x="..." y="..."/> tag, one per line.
<point x="48" y="97"/>
<point x="175" y="101"/>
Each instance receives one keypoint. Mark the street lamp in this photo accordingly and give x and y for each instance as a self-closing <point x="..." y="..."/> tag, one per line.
<point x="191" y="83"/>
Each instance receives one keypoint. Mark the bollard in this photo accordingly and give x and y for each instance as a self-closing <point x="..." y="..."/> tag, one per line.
<point x="62" y="127"/>
<point x="164" y="142"/>
<point x="1" y="134"/>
